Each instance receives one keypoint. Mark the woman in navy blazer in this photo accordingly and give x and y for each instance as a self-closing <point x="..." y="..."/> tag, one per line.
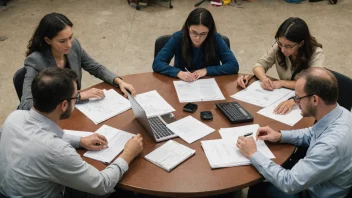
<point x="198" y="50"/>
<point x="53" y="45"/>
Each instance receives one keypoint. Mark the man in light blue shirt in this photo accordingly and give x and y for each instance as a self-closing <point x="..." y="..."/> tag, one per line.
<point x="326" y="170"/>
<point x="38" y="160"/>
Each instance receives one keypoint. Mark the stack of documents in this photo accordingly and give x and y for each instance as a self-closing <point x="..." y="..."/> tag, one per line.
<point x="190" y="129"/>
<point x="223" y="152"/>
<point x="153" y="104"/>
<point x="99" y="110"/>
<point x="77" y="133"/>
<point x="290" y="118"/>
<point x="199" y="90"/>
<point x="116" y="142"/>
<point x="169" y="155"/>
<point x="256" y="95"/>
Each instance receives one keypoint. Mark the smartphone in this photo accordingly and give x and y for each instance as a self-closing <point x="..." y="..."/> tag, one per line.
<point x="190" y="107"/>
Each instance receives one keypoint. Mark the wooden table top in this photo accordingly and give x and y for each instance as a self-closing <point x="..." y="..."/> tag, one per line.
<point x="194" y="177"/>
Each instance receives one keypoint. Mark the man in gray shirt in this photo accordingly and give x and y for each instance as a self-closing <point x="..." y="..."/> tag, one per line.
<point x="38" y="160"/>
<point x="326" y="169"/>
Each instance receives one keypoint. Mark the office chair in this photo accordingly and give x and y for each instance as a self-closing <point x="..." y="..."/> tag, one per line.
<point x="162" y="40"/>
<point x="18" y="79"/>
<point x="138" y="7"/>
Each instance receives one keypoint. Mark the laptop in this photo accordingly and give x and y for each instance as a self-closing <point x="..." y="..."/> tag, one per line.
<point x="156" y="125"/>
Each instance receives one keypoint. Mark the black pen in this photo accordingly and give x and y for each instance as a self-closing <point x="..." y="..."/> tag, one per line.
<point x="248" y="134"/>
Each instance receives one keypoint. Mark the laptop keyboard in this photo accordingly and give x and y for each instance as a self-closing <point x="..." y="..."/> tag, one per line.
<point x="159" y="128"/>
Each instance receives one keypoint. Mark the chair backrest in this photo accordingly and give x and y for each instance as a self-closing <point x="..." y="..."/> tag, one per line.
<point x="344" y="88"/>
<point x="162" y="40"/>
<point x="18" y="79"/>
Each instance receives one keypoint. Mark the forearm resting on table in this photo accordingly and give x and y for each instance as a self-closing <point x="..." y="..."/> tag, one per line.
<point x="259" y="72"/>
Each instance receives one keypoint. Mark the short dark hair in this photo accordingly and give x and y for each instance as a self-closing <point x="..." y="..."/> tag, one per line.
<point x="50" y="25"/>
<point x="52" y="86"/>
<point x="321" y="82"/>
<point x="199" y="16"/>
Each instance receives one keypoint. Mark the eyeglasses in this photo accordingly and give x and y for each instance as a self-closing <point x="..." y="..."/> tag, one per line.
<point x="297" y="99"/>
<point x="285" y="46"/>
<point x="77" y="98"/>
<point x="196" y="34"/>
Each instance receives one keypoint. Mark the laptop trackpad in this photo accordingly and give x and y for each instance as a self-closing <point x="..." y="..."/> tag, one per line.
<point x="168" y="118"/>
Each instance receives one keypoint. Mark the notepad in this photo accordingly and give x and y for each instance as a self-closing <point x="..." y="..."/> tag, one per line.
<point x="190" y="129"/>
<point x="153" y="104"/>
<point x="199" y="90"/>
<point x="99" y="110"/>
<point x="256" y="95"/>
<point x="169" y="155"/>
<point x="116" y="142"/>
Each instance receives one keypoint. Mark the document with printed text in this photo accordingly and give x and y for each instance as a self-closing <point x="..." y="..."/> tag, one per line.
<point x="199" y="90"/>
<point x="99" y="110"/>
<point x="116" y="142"/>
<point x="169" y="155"/>
<point x="78" y="133"/>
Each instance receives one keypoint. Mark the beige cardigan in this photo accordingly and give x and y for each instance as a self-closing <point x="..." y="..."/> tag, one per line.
<point x="271" y="58"/>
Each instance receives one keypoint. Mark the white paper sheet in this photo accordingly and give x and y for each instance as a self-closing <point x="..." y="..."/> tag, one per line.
<point x="169" y="155"/>
<point x="199" y="90"/>
<point x="116" y="142"/>
<point x="78" y="133"/>
<point x="190" y="129"/>
<point x="290" y="118"/>
<point x="256" y="95"/>
<point x="153" y="104"/>
<point x="99" y="110"/>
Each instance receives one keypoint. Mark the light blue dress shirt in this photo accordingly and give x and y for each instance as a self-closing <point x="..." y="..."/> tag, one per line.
<point x="38" y="160"/>
<point x="326" y="171"/>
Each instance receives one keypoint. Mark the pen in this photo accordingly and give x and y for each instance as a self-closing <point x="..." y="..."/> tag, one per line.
<point x="248" y="134"/>
<point x="189" y="72"/>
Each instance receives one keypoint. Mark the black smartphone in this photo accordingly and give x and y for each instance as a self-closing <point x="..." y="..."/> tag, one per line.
<point x="190" y="107"/>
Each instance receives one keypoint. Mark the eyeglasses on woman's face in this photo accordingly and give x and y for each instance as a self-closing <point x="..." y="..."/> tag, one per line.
<point x="285" y="46"/>
<point x="196" y="34"/>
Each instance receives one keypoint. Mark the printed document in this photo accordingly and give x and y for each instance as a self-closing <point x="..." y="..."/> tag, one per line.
<point x="99" y="110"/>
<point x="116" y="142"/>
<point x="78" y="133"/>
<point x="190" y="129"/>
<point x="290" y="118"/>
<point x="224" y="152"/>
<point x="256" y="95"/>
<point x="199" y="90"/>
<point x="153" y="104"/>
<point x="169" y="155"/>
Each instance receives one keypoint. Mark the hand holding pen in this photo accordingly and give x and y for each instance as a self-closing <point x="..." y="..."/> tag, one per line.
<point x="186" y="76"/>
<point x="247" y="145"/>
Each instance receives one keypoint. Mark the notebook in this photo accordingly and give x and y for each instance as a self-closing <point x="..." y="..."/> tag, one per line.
<point x="169" y="155"/>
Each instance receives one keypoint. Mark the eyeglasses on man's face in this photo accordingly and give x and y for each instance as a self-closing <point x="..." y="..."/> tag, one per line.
<point x="196" y="34"/>
<point x="77" y="98"/>
<point x="298" y="99"/>
<point x="285" y="46"/>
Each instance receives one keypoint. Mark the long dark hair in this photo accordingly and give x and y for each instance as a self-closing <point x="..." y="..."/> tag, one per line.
<point x="296" y="30"/>
<point x="199" y="16"/>
<point x="50" y="25"/>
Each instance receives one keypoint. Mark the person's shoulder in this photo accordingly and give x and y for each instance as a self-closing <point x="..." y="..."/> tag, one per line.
<point x="178" y="35"/>
<point x="17" y="115"/>
<point x="34" y="57"/>
<point x="318" y="50"/>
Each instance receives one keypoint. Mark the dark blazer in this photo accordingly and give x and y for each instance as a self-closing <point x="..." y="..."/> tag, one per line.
<point x="77" y="59"/>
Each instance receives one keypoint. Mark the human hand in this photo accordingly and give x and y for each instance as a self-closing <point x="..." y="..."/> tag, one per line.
<point x="285" y="107"/>
<point x="277" y="84"/>
<point x="247" y="146"/>
<point x="125" y="86"/>
<point x="187" y="76"/>
<point x="267" y="133"/>
<point x="94" y="142"/>
<point x="242" y="81"/>
<point x="200" y="73"/>
<point x="92" y="93"/>
<point x="267" y="84"/>
<point x="132" y="148"/>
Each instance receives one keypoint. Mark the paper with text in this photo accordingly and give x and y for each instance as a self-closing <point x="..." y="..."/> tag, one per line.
<point x="78" y="133"/>
<point x="169" y="155"/>
<point x="153" y="104"/>
<point x="199" y="90"/>
<point x="256" y="95"/>
<point x="99" y="110"/>
<point x="116" y="142"/>
<point x="290" y="118"/>
<point x="190" y="129"/>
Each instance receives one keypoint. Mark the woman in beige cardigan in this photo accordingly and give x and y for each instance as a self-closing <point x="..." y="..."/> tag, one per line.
<point x="294" y="50"/>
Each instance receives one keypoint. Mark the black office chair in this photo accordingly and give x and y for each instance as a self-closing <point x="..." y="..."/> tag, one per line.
<point x="138" y="7"/>
<point x="162" y="40"/>
<point x="18" y="79"/>
<point x="344" y="87"/>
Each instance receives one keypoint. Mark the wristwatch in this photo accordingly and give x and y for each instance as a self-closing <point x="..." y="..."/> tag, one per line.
<point x="78" y="98"/>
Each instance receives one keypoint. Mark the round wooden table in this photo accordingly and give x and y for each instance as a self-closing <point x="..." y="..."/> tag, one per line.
<point x="194" y="177"/>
